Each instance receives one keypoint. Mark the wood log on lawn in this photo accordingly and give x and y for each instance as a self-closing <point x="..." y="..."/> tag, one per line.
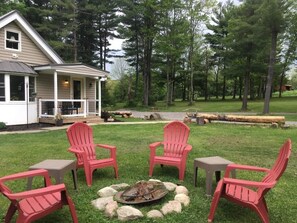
<point x="255" y="119"/>
<point x="208" y="116"/>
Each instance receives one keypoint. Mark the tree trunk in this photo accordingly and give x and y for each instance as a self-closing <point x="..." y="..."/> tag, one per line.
<point x="234" y="88"/>
<point x="269" y="82"/>
<point x="246" y="85"/>
<point x="224" y="88"/>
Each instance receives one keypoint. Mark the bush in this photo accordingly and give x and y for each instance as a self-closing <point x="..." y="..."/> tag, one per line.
<point x="2" y="125"/>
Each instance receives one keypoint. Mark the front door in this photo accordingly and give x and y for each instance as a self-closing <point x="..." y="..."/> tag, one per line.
<point x="77" y="92"/>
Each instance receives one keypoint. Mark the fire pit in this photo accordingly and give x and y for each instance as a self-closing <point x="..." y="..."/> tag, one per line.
<point x="142" y="192"/>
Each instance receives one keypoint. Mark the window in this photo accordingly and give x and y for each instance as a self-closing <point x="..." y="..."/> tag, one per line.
<point x="13" y="41"/>
<point x="31" y="89"/>
<point x="2" y="88"/>
<point x="17" y="88"/>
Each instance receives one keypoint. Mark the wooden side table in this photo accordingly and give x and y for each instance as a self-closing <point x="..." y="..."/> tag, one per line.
<point x="56" y="169"/>
<point x="211" y="165"/>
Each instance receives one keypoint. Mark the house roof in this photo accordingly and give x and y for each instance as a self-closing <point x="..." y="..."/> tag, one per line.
<point x="72" y="69"/>
<point x="15" y="67"/>
<point x="15" y="16"/>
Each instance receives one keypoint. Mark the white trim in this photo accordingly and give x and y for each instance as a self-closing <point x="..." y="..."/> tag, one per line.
<point x="19" y="41"/>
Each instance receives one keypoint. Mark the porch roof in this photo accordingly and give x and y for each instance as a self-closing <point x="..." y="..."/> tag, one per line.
<point x="72" y="69"/>
<point x="15" y="67"/>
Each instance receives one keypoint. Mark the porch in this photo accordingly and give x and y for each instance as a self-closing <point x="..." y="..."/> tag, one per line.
<point x="70" y="110"/>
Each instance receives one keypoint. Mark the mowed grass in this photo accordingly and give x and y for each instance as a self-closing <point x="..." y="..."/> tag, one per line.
<point x="252" y="145"/>
<point x="286" y="105"/>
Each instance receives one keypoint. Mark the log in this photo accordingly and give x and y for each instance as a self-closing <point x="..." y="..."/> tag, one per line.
<point x="122" y="113"/>
<point x="256" y="119"/>
<point x="244" y="118"/>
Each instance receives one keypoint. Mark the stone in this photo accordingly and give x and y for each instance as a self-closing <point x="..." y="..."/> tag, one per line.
<point x="170" y="186"/>
<point x="101" y="202"/>
<point x="171" y="206"/>
<point x="155" y="180"/>
<point x="183" y="199"/>
<point x="106" y="192"/>
<point x="110" y="209"/>
<point x="154" y="214"/>
<point x="274" y="125"/>
<point x="119" y="187"/>
<point x="181" y="190"/>
<point x="126" y="213"/>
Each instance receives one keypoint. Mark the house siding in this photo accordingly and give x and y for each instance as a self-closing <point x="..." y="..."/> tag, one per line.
<point x="29" y="53"/>
<point x="45" y="87"/>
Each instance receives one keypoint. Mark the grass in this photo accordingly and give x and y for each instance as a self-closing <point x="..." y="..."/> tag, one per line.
<point x="251" y="145"/>
<point x="286" y="104"/>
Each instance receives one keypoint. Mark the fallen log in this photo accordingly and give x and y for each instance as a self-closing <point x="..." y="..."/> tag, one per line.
<point x="244" y="118"/>
<point x="256" y="119"/>
<point x="124" y="114"/>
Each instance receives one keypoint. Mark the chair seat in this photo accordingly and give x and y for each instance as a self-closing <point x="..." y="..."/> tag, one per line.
<point x="107" y="161"/>
<point x="40" y="203"/>
<point x="167" y="159"/>
<point x="241" y="193"/>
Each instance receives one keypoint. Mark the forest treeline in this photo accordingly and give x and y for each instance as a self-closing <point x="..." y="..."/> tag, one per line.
<point x="185" y="49"/>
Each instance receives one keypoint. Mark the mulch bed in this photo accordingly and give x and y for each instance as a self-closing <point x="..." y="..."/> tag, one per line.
<point x="35" y="126"/>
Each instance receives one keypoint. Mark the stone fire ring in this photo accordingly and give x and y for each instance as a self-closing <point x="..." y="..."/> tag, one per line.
<point x="107" y="202"/>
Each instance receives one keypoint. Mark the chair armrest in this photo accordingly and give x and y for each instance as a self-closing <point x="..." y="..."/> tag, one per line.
<point x="109" y="147"/>
<point x="188" y="148"/>
<point x="155" y="144"/>
<point x="248" y="183"/>
<point x="104" y="146"/>
<point x="233" y="166"/>
<point x="26" y="174"/>
<point x="75" y="151"/>
<point x="36" y="192"/>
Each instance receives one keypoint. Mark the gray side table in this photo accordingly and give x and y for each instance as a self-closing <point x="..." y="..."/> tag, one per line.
<point x="56" y="169"/>
<point x="211" y="165"/>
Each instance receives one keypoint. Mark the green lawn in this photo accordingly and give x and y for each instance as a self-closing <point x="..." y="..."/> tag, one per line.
<point x="251" y="145"/>
<point x="286" y="104"/>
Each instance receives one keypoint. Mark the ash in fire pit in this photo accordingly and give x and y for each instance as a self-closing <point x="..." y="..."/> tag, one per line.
<point x="142" y="192"/>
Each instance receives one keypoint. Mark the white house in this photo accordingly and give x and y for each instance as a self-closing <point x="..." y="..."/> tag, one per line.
<point x="36" y="84"/>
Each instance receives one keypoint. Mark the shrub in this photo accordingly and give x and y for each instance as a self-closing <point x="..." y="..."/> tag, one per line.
<point x="2" y="125"/>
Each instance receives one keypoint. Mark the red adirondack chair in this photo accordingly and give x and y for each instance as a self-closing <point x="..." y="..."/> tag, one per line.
<point x="37" y="203"/>
<point x="80" y="137"/>
<point x="175" y="148"/>
<point x="240" y="191"/>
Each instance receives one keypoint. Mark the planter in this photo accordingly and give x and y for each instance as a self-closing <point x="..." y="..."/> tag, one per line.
<point x="59" y="122"/>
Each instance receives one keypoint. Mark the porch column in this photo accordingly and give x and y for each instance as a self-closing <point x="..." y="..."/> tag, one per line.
<point x="101" y="79"/>
<point x="99" y="97"/>
<point x="56" y="92"/>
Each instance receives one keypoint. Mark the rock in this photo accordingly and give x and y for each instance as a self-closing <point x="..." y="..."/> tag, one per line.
<point x="183" y="199"/>
<point x="274" y="125"/>
<point x="100" y="203"/>
<point x="110" y="209"/>
<point x="171" y="206"/>
<point x="155" y="180"/>
<point x="126" y="213"/>
<point x="155" y="214"/>
<point x="119" y="187"/>
<point x="170" y="186"/>
<point x="181" y="190"/>
<point x="106" y="192"/>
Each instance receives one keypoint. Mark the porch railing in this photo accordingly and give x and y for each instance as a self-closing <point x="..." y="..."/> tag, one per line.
<point x="68" y="107"/>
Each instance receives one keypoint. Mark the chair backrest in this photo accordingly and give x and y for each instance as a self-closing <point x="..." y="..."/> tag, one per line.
<point x="176" y="136"/>
<point x="80" y="137"/>
<point x="279" y="166"/>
